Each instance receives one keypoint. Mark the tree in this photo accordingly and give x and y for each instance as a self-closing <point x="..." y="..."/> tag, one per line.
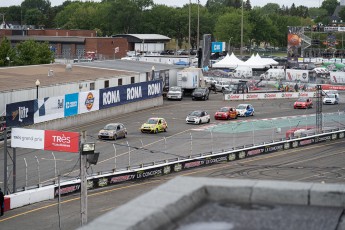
<point x="7" y="53"/>
<point x="263" y="29"/>
<point x="270" y="8"/>
<point x="229" y="25"/>
<point x="247" y="5"/>
<point x="33" y="53"/>
<point x="34" y="17"/>
<point x="330" y="6"/>
<point x="342" y="14"/>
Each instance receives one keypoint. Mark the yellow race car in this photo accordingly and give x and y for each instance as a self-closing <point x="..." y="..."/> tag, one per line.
<point x="154" y="125"/>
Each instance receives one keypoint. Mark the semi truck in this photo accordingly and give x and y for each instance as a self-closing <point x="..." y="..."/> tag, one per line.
<point x="189" y="79"/>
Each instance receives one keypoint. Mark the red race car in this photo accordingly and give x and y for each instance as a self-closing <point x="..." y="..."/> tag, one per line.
<point x="303" y="103"/>
<point x="226" y="113"/>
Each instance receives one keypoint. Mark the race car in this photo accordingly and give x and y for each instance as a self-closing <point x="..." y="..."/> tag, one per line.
<point x="226" y="113"/>
<point x="198" y="117"/>
<point x="303" y="103"/>
<point x="245" y="110"/>
<point x="154" y="125"/>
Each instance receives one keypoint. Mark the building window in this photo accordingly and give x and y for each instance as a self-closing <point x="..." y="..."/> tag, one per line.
<point x="92" y="86"/>
<point x="119" y="81"/>
<point x="106" y="84"/>
<point x="132" y="80"/>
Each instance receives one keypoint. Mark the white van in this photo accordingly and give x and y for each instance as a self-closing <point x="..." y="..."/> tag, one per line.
<point x="274" y="74"/>
<point x="243" y="72"/>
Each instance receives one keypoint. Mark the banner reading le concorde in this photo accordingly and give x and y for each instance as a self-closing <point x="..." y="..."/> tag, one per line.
<point x="51" y="140"/>
<point x="119" y="95"/>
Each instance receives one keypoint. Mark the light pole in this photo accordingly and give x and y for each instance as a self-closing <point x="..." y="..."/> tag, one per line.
<point x="197" y="40"/>
<point x="37" y="85"/>
<point x="229" y="45"/>
<point x="189" y="44"/>
<point x="241" y="30"/>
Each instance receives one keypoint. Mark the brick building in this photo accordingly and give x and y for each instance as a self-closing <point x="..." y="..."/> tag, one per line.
<point x="72" y="44"/>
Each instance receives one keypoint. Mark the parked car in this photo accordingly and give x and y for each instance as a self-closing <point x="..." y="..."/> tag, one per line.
<point x="245" y="110"/>
<point x="221" y="85"/>
<point x="226" y="113"/>
<point x="330" y="99"/>
<point x="198" y="117"/>
<point x="113" y="131"/>
<point x="303" y="103"/>
<point x="200" y="93"/>
<point x="229" y="90"/>
<point x="175" y="93"/>
<point x="154" y="125"/>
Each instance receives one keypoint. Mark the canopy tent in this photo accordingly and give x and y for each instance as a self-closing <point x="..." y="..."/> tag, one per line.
<point x="230" y="62"/>
<point x="334" y="66"/>
<point x="268" y="61"/>
<point x="256" y="62"/>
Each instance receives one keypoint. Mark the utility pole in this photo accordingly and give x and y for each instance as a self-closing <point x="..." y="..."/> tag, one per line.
<point x="83" y="183"/>
<point x="5" y="161"/>
<point x="189" y="45"/>
<point x="197" y="45"/>
<point x="241" y="30"/>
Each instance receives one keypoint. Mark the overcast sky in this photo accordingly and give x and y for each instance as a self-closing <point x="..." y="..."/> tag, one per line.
<point x="308" y="3"/>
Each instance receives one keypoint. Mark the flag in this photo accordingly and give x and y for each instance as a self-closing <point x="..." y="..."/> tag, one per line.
<point x="117" y="49"/>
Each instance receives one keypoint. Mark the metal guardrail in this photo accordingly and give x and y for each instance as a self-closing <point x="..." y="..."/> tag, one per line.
<point x="159" y="168"/>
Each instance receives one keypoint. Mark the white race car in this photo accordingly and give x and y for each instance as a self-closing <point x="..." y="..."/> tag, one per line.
<point x="245" y="110"/>
<point x="198" y="117"/>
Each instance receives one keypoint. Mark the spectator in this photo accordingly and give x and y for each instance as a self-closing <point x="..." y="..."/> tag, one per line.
<point x="296" y="87"/>
<point x="2" y="202"/>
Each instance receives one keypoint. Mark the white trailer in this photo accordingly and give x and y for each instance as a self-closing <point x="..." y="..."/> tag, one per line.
<point x="189" y="79"/>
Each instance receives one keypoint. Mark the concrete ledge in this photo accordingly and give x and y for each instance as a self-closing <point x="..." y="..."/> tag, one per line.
<point x="327" y="195"/>
<point x="161" y="207"/>
<point x="296" y="193"/>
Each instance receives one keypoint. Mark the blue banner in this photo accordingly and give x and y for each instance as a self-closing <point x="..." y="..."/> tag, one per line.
<point x="218" y="47"/>
<point x="114" y="96"/>
<point x="71" y="104"/>
<point x="20" y="113"/>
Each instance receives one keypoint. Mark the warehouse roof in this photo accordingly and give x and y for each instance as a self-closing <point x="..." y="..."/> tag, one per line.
<point x="47" y="38"/>
<point x="144" y="37"/>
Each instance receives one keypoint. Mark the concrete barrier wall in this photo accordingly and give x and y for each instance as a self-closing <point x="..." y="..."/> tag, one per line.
<point x="31" y="196"/>
<point x="84" y="118"/>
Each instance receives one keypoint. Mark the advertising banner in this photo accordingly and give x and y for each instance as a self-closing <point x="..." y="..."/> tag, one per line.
<point x="218" y="47"/>
<point x="49" y="108"/>
<point x="71" y="104"/>
<point x="337" y="77"/>
<point x="61" y="141"/>
<point x="297" y="75"/>
<point x="114" y="96"/>
<point x="88" y="101"/>
<point x="20" y="113"/>
<point x="294" y="41"/>
<point x="45" y="139"/>
<point x="27" y="138"/>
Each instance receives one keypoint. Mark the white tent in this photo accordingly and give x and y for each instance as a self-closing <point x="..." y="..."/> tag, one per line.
<point x="256" y="62"/>
<point x="268" y="61"/>
<point x="230" y="62"/>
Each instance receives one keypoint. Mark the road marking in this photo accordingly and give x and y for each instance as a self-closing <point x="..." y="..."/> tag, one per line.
<point x="171" y="175"/>
<point x="48" y="159"/>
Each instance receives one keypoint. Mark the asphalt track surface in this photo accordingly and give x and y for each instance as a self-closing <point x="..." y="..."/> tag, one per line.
<point x="181" y="139"/>
<point x="317" y="163"/>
